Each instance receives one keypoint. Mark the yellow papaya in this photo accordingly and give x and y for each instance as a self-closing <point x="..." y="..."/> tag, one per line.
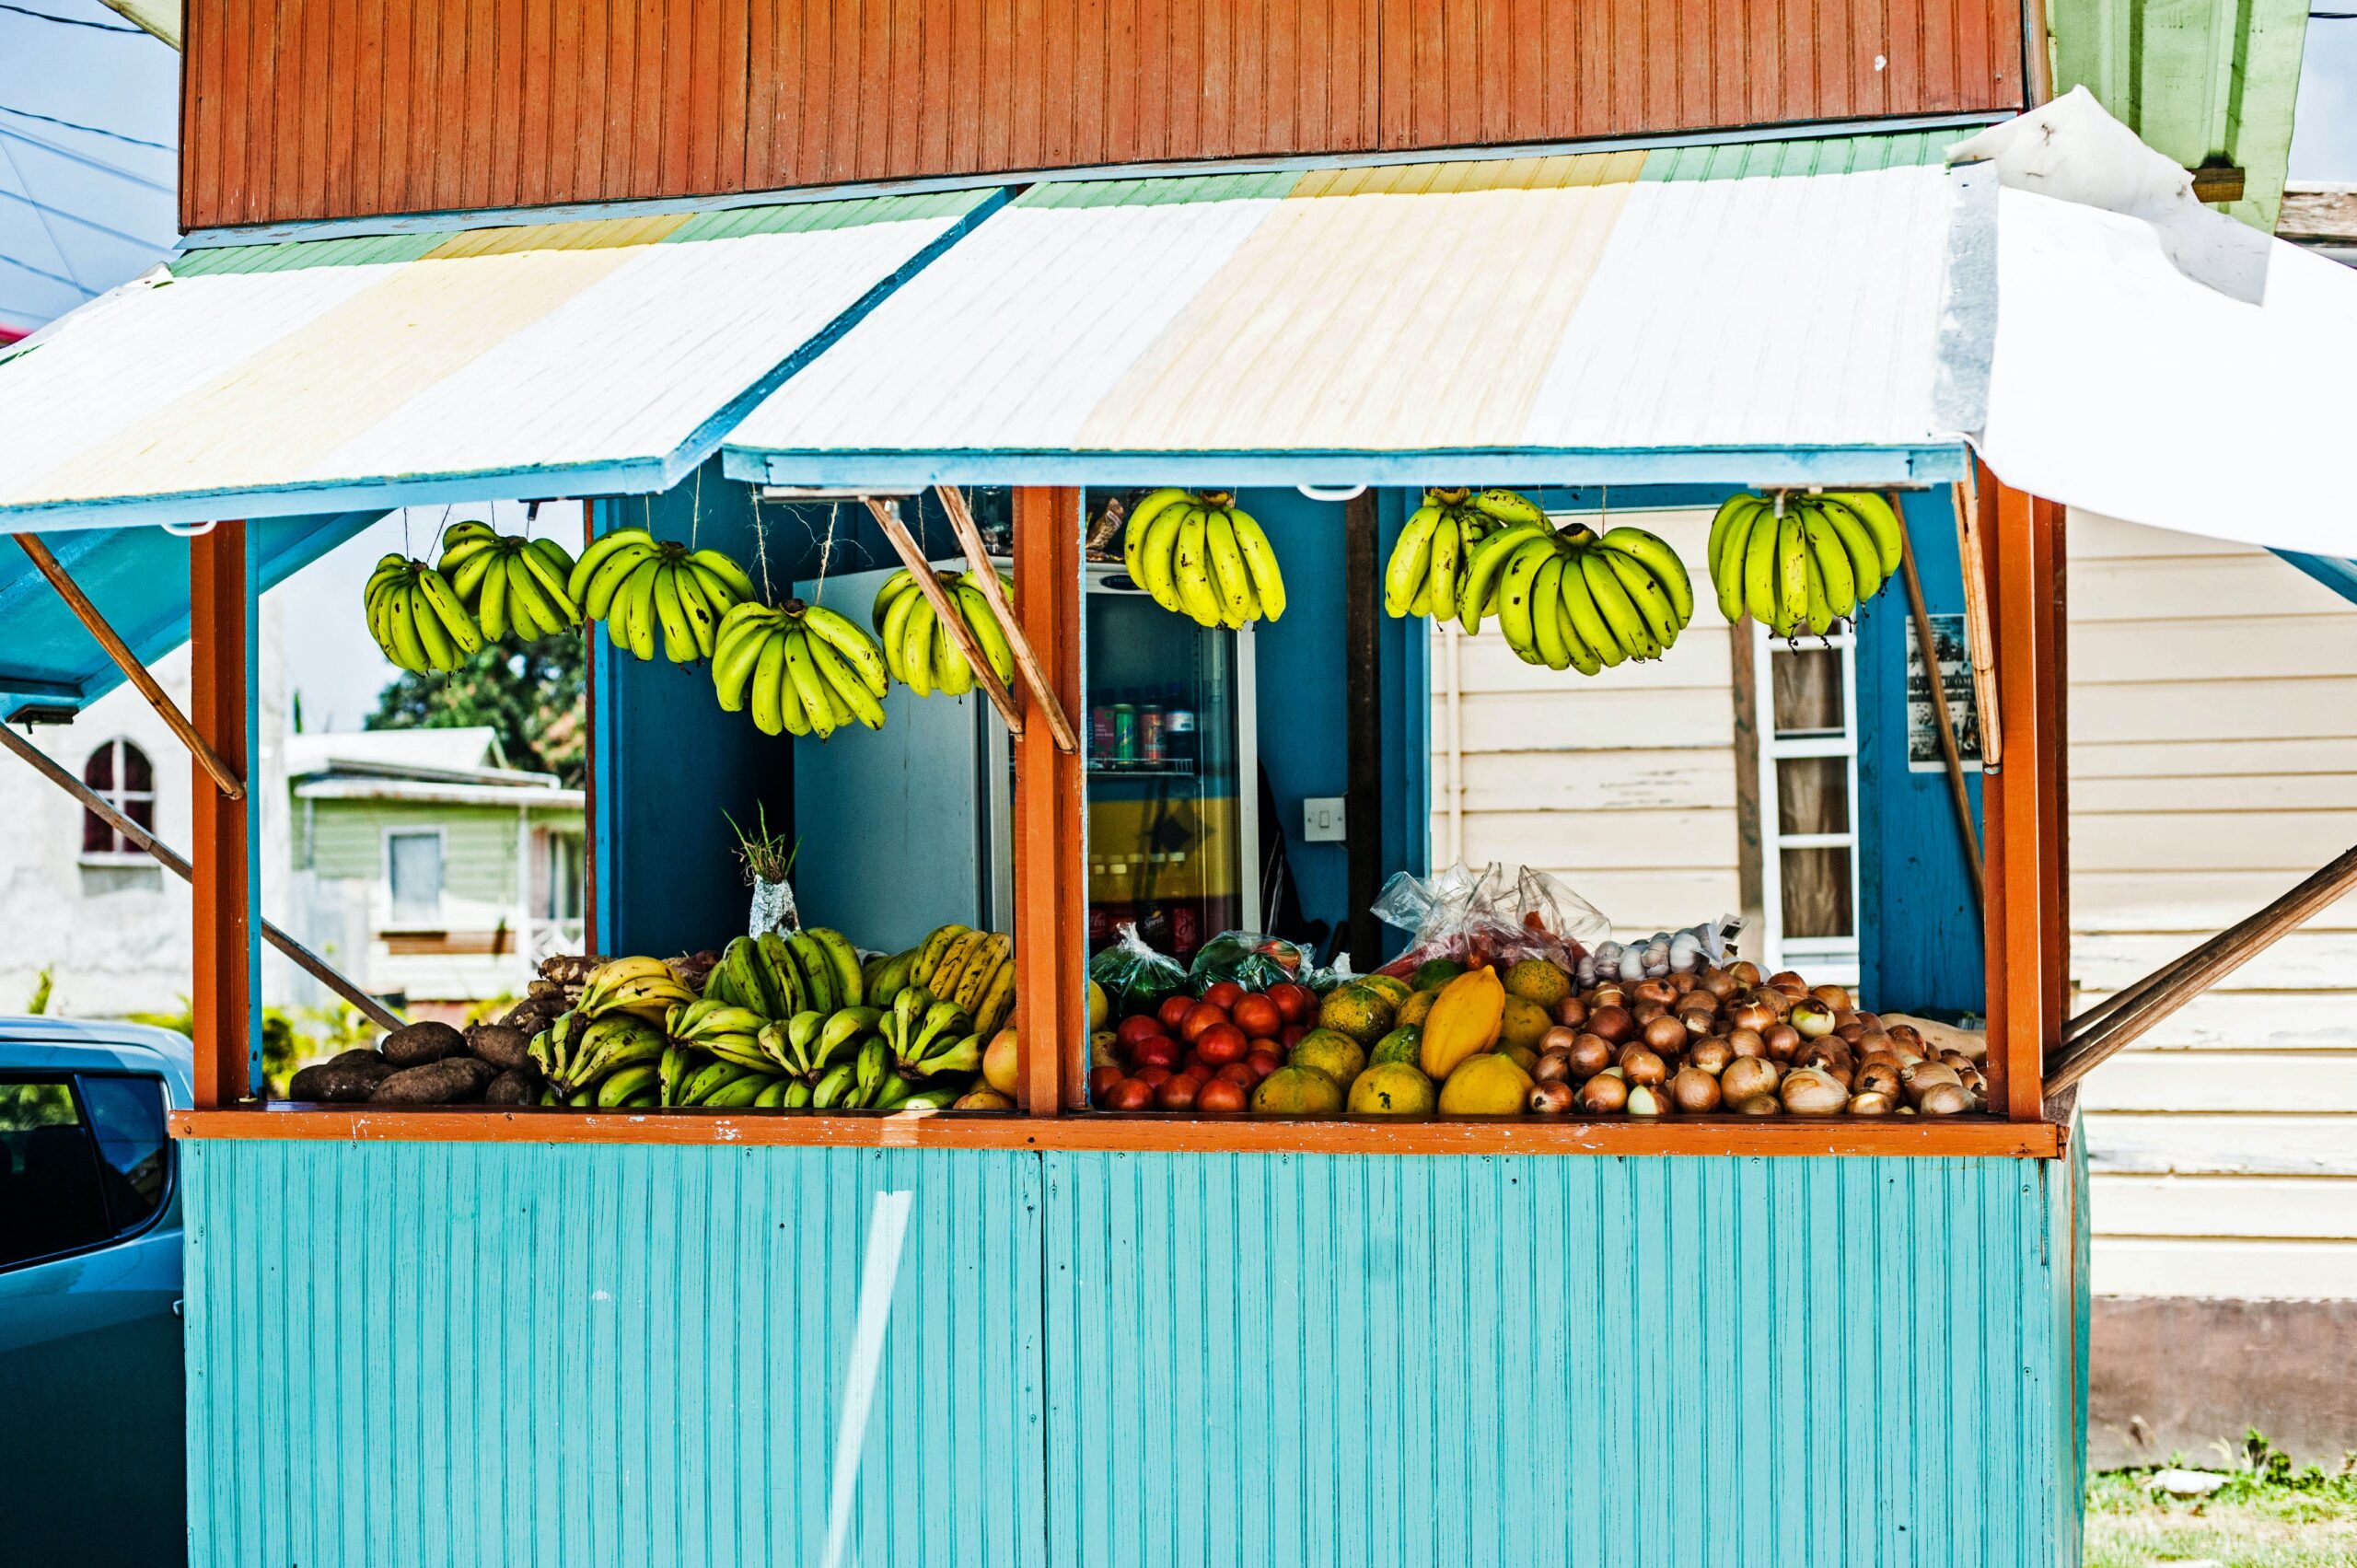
<point x="1464" y="1022"/>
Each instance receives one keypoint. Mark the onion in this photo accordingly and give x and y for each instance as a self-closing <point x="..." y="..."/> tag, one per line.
<point x="1646" y="1012"/>
<point x="1571" y="1011"/>
<point x="1808" y="1092"/>
<point x="1782" y="1041"/>
<point x="1710" y="1055"/>
<point x="1747" y="1076"/>
<point x="1604" y="1094"/>
<point x="1835" y="999"/>
<point x="1852" y="1031"/>
<point x="1877" y="1077"/>
<point x="1944" y="1099"/>
<point x="1814" y="1020"/>
<point x="1871" y="1102"/>
<point x="1553" y="1067"/>
<point x="1551" y="1097"/>
<point x="1640" y="1065"/>
<point x="1874" y="1040"/>
<point x="1956" y="1059"/>
<point x="1694" y="1091"/>
<point x="1751" y="1014"/>
<point x="1665" y="1035"/>
<point x="1590" y="1055"/>
<point x="1758" y="1105"/>
<point x="1745" y="972"/>
<point x="1683" y="982"/>
<point x="1659" y="990"/>
<point x="1719" y="984"/>
<point x="1873" y="1021"/>
<point x="1925" y="1075"/>
<point x="1557" y="1039"/>
<point x="1904" y="1035"/>
<point x="1611" y="1023"/>
<point x="1747" y="1043"/>
<point x="1607" y="996"/>
<point x="1643" y="1101"/>
<point x="1786" y="980"/>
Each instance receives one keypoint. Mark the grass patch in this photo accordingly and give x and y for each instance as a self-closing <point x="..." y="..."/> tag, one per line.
<point x="2269" y="1514"/>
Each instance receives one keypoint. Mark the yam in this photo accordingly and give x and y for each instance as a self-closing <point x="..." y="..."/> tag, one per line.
<point x="345" y="1079"/>
<point x="421" y="1043"/>
<point x="452" y="1080"/>
<point x="505" y="1048"/>
<point x="570" y="968"/>
<point x="512" y="1088"/>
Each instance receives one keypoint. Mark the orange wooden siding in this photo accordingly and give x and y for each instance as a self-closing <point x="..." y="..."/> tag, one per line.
<point x="306" y="109"/>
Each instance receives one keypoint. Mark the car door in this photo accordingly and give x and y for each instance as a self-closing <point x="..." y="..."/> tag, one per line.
<point x="92" y="1409"/>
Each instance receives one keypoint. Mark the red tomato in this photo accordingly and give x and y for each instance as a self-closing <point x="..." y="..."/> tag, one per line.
<point x="1176" y="1094"/>
<point x="1240" y="1074"/>
<point x="1101" y="1081"/>
<point x="1161" y="1050"/>
<point x="1221" y="1044"/>
<point x="1227" y="993"/>
<point x="1290" y="1036"/>
<point x="1264" y="1043"/>
<point x="1295" y="1001"/>
<point x="1173" y="1009"/>
<point x="1221" y="1095"/>
<point x="1129" y="1094"/>
<point x="1258" y="1015"/>
<point x="1262" y="1063"/>
<point x="1200" y="1017"/>
<point x="1154" y="1077"/>
<point x="1138" y="1029"/>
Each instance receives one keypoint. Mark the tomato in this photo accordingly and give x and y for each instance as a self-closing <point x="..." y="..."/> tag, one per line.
<point x="1262" y="1063"/>
<point x="1295" y="1001"/>
<point x="1200" y="1017"/>
<point x="1265" y="1044"/>
<point x="1290" y="1036"/>
<point x="1221" y="1095"/>
<point x="1176" y="1094"/>
<point x="1173" y="1009"/>
<point x="1159" y="1051"/>
<point x="1101" y="1081"/>
<point x="1227" y="993"/>
<point x="1240" y="1074"/>
<point x="1258" y="1015"/>
<point x="1129" y="1094"/>
<point x="1138" y="1029"/>
<point x="1221" y="1044"/>
<point x="1154" y="1077"/>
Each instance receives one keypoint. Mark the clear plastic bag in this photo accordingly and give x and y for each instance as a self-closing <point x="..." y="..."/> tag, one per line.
<point x="1135" y="976"/>
<point x="1249" y="960"/>
<point x="1479" y="917"/>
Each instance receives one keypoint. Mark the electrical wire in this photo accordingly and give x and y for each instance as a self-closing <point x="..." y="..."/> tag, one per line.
<point x="80" y="222"/>
<point x="76" y="285"/>
<point x="91" y="130"/>
<point x="67" y="21"/>
<point x="70" y="156"/>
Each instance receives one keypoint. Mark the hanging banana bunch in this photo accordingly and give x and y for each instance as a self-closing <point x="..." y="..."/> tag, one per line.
<point x="510" y="583"/>
<point x="1199" y="555"/>
<point x="1426" y="573"/>
<point x="921" y="654"/>
<point x="1798" y="562"/>
<point x="645" y="589"/>
<point x="804" y="669"/>
<point x="416" y="618"/>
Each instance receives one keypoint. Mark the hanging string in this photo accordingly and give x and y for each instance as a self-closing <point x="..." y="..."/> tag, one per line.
<point x="761" y="548"/>
<point x="695" y="507"/>
<point x="826" y="547"/>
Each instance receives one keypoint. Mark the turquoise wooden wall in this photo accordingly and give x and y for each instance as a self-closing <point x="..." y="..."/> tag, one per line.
<point x="427" y="1355"/>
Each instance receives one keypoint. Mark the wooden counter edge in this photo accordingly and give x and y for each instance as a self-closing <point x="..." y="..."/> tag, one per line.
<point x="1959" y="1137"/>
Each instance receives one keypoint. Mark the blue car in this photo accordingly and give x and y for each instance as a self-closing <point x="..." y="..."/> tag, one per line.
<point x="93" y="1444"/>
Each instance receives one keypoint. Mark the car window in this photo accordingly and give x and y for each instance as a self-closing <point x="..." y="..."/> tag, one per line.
<point x="52" y="1198"/>
<point x="127" y="1121"/>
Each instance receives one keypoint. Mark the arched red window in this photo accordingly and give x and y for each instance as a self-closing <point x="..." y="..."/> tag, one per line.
<point x="118" y="770"/>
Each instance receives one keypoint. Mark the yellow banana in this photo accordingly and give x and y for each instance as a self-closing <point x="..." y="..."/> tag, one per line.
<point x="701" y="617"/>
<point x="808" y="684"/>
<point x="1760" y="567"/>
<point x="1231" y="578"/>
<point x="1191" y="568"/>
<point x="1587" y="622"/>
<point x="897" y="587"/>
<point x="1260" y="557"/>
<point x="1514" y="618"/>
<point x="1818" y="611"/>
<point x="1586" y="656"/>
<point x="1866" y="575"/>
<point x="491" y="610"/>
<point x="1448" y="544"/>
<point x="457" y="624"/>
<point x="439" y="654"/>
<point x="987" y="631"/>
<point x="1652" y="602"/>
<point x="602" y="550"/>
<point x="678" y="641"/>
<point x="1158" y="557"/>
<point x="552" y="588"/>
<point x="845" y="681"/>
<point x="952" y="676"/>
<point x="638" y="613"/>
<point x="401" y="621"/>
<point x="721" y="565"/>
<point x="1882" y="524"/>
<point x="1730" y="536"/>
<point x="1547" y="614"/>
<point x="1411" y="562"/>
<point x="1612" y="602"/>
<point x="1792" y="572"/>
<point x="856" y="648"/>
<point x="1661" y="563"/>
<point x="1831" y="559"/>
<point x="916" y="649"/>
<point x="610" y="571"/>
<point x="1141" y="523"/>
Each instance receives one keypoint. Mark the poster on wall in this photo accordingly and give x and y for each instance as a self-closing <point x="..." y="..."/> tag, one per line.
<point x="1924" y="754"/>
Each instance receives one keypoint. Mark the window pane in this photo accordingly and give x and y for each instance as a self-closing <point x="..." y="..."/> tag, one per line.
<point x="416" y="874"/>
<point x="142" y="811"/>
<point x="1808" y="691"/>
<point x="1817" y="893"/>
<point x="98" y="772"/>
<point x="127" y="1117"/>
<point x="97" y="837"/>
<point x="49" y="1196"/>
<point x="1812" y="794"/>
<point x="136" y="775"/>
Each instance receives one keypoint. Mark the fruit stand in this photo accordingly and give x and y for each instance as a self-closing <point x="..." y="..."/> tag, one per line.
<point x="785" y="1248"/>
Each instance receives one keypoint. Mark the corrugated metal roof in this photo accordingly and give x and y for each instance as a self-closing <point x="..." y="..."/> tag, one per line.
<point x="1391" y="323"/>
<point x="467" y="364"/>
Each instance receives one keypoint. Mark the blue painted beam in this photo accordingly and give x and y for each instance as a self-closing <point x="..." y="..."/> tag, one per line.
<point x="2339" y="576"/>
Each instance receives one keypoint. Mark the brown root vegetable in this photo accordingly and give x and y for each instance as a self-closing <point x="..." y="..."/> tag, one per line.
<point x="505" y="1048"/>
<point x="1747" y="1043"/>
<point x="1659" y="990"/>
<point x="1647" y="1099"/>
<point x="1590" y="1055"/>
<point x="344" y="1080"/>
<point x="1710" y="1055"/>
<point x="1921" y="1077"/>
<point x="1813" y="1019"/>
<point x="1784" y="1041"/>
<point x="1604" y="1094"/>
<point x="1646" y="1012"/>
<point x="571" y="969"/>
<point x="1642" y="1064"/>
<point x="1553" y="1067"/>
<point x="1870" y="1102"/>
<point x="1682" y="981"/>
<point x="1944" y="1099"/>
<point x="1614" y="1024"/>
<point x="421" y="1043"/>
<point x="1807" y="1091"/>
<point x="1835" y="998"/>
<point x="1557" y="1039"/>
<point x="1746" y="973"/>
<point x="1694" y="1091"/>
<point x="1607" y="996"/>
<point x="1747" y="1077"/>
<point x="1551" y="1097"/>
<point x="1719" y="984"/>
<point x="1758" y="1105"/>
<point x="1877" y="1077"/>
<point x="1571" y="1011"/>
<point x="1665" y="1035"/>
<point x="450" y="1081"/>
<point x="512" y="1088"/>
<point x="1786" y="980"/>
<point x="1752" y="1014"/>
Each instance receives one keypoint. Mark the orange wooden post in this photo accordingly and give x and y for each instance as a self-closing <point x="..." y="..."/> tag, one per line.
<point x="1050" y="884"/>
<point x="2053" y="738"/>
<point x="2021" y="820"/>
<point x="228" y="961"/>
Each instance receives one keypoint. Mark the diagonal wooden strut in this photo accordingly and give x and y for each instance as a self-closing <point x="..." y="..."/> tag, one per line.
<point x="1952" y="753"/>
<point x="888" y="518"/>
<point x="310" y="963"/>
<point x="136" y="673"/>
<point x="962" y="521"/>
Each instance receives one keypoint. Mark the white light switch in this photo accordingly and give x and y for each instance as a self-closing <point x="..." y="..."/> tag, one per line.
<point x="1321" y="819"/>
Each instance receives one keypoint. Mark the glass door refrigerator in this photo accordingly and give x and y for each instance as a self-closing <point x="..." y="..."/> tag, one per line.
<point x="1170" y="729"/>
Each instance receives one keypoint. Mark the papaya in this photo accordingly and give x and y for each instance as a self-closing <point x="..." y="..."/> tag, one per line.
<point x="1464" y="1022"/>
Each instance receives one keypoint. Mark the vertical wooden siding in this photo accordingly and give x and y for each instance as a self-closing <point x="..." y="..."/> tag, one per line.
<point x="306" y="109"/>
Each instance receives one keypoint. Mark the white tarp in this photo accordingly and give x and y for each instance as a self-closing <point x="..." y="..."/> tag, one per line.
<point x="2156" y="361"/>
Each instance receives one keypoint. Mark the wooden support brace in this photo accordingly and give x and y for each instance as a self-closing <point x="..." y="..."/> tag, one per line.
<point x="962" y="521"/>
<point x="310" y="963"/>
<point x="1980" y="638"/>
<point x="224" y="776"/>
<point x="1949" y="750"/>
<point x="888" y="518"/>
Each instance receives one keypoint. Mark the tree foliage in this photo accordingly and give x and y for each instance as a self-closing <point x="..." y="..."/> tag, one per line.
<point x="533" y="695"/>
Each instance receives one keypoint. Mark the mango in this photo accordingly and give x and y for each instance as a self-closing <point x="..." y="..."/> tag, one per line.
<point x="1359" y="1011"/>
<point x="1536" y="979"/>
<point x="1298" y="1091"/>
<point x="1332" y="1053"/>
<point x="1487" y="1084"/>
<point x="1403" y="1044"/>
<point x="1394" y="1088"/>
<point x="1464" y="1022"/>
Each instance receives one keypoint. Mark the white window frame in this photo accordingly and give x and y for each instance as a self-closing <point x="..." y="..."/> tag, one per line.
<point x="1823" y="960"/>
<point x="394" y="919"/>
<point x="122" y="796"/>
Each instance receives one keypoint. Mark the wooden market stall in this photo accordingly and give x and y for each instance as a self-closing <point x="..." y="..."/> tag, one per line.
<point x="476" y="1334"/>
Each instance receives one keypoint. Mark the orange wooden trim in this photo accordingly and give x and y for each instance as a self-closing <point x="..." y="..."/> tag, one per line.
<point x="222" y="892"/>
<point x="1051" y="882"/>
<point x="1978" y="544"/>
<point x="2023" y="1025"/>
<point x="1095" y="1132"/>
<point x="2054" y="825"/>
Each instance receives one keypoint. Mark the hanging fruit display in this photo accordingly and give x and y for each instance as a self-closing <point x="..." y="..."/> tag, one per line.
<point x="416" y="618"/>
<point x="510" y="583"/>
<point x="1428" y="568"/>
<point x="920" y="652"/>
<point x="804" y="669"/>
<point x="1798" y="562"/>
<point x="643" y="588"/>
<point x="1201" y="556"/>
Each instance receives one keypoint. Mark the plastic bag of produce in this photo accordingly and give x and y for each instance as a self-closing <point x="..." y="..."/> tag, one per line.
<point x="1546" y="904"/>
<point x="1248" y="959"/>
<point x="1479" y="917"/>
<point x="1135" y="976"/>
<point x="1708" y="946"/>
